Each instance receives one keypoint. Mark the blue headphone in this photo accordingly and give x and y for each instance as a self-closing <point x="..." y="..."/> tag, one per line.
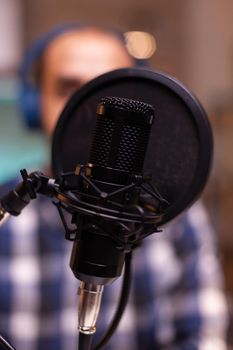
<point x="29" y="97"/>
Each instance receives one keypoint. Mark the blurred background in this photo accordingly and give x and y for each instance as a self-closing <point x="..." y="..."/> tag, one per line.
<point x="191" y="40"/>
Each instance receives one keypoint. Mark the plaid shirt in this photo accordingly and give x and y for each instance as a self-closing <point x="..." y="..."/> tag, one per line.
<point x="176" y="299"/>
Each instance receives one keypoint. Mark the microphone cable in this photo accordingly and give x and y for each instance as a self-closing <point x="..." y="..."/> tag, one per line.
<point x="85" y="341"/>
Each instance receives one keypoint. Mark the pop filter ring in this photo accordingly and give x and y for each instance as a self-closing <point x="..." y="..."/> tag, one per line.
<point x="198" y="115"/>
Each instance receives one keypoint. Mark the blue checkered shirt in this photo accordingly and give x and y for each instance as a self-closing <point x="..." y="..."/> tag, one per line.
<point x="176" y="299"/>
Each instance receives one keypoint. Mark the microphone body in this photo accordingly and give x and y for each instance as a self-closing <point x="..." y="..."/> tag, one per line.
<point x="117" y="155"/>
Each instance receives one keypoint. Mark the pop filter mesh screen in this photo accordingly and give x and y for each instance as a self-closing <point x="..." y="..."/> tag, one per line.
<point x="176" y="156"/>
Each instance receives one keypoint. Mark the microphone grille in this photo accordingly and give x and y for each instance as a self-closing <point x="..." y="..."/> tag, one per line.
<point x="126" y="104"/>
<point x="121" y="134"/>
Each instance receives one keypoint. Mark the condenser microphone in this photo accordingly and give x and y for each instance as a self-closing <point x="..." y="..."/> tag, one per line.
<point x="107" y="198"/>
<point x="116" y="159"/>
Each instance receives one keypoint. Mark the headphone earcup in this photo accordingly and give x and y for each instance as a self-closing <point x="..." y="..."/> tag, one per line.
<point x="30" y="106"/>
<point x="29" y="96"/>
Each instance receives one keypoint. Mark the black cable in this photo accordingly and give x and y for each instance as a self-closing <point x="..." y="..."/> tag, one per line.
<point x="121" y="305"/>
<point x="85" y="341"/>
<point x="4" y="345"/>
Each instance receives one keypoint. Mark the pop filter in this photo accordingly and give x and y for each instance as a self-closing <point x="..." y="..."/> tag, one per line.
<point x="180" y="146"/>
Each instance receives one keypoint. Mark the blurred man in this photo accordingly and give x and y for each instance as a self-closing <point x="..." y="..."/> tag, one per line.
<point x="176" y="300"/>
<point x="68" y="64"/>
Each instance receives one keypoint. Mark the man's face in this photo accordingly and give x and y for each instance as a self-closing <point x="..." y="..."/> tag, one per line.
<point x="71" y="61"/>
